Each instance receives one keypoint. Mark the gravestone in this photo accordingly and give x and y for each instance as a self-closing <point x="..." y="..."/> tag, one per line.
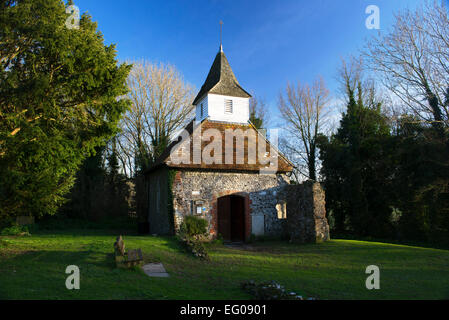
<point x="119" y="246"/>
<point x="126" y="259"/>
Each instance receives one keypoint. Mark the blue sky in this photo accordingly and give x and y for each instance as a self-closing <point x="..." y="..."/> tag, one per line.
<point x="266" y="42"/>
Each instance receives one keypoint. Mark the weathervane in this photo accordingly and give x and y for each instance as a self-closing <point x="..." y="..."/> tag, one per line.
<point x="221" y="30"/>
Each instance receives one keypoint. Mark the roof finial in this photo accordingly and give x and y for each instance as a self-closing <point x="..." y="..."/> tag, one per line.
<point x="221" y="30"/>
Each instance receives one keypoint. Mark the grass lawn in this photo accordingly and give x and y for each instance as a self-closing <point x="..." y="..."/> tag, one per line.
<point x="34" y="268"/>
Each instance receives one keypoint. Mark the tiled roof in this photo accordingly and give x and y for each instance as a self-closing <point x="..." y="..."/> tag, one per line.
<point x="221" y="80"/>
<point x="283" y="164"/>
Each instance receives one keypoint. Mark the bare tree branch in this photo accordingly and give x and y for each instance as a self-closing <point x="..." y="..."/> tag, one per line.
<point x="161" y="104"/>
<point x="413" y="61"/>
<point x="304" y="111"/>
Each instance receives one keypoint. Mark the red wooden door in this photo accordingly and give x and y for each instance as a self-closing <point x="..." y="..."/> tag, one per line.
<point x="224" y="217"/>
<point x="231" y="218"/>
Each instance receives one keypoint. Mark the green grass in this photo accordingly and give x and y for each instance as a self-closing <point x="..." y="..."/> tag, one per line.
<point x="34" y="268"/>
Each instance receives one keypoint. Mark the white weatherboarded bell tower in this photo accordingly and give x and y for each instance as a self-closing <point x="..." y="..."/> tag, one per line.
<point x="221" y="97"/>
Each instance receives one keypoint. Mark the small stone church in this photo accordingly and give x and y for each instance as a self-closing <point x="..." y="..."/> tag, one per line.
<point x="222" y="169"/>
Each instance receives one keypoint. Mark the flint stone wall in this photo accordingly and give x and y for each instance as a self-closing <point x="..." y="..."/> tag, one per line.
<point x="261" y="189"/>
<point x="266" y="194"/>
<point x="306" y="213"/>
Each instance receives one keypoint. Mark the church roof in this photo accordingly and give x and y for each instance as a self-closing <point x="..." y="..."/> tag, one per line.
<point x="221" y="80"/>
<point x="283" y="165"/>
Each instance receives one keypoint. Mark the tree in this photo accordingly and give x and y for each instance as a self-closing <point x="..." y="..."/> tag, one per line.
<point x="161" y="104"/>
<point x="100" y="191"/>
<point x="356" y="161"/>
<point x="413" y="59"/>
<point x="86" y="199"/>
<point x="59" y="90"/>
<point x="421" y="182"/>
<point x="258" y="114"/>
<point x="116" y="188"/>
<point x="303" y="110"/>
<point x="113" y="164"/>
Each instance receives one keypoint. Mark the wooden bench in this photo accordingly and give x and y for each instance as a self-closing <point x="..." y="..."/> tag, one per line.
<point x="126" y="259"/>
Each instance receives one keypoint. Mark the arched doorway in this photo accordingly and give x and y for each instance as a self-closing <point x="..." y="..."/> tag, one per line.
<point x="231" y="217"/>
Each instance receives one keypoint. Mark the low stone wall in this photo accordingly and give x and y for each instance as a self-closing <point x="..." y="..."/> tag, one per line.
<point x="306" y="212"/>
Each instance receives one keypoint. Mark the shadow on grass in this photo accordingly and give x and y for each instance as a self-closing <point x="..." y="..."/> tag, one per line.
<point x="42" y="275"/>
<point x="42" y="259"/>
<point x="87" y="232"/>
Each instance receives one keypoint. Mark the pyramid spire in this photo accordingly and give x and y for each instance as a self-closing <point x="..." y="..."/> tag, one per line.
<point x="221" y="80"/>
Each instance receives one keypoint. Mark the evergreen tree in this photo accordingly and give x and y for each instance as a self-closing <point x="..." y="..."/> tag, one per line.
<point x="355" y="162"/>
<point x="258" y="112"/>
<point x="117" y="190"/>
<point x="256" y="121"/>
<point x="421" y="187"/>
<point x="86" y="198"/>
<point x="113" y="164"/>
<point x="58" y="102"/>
